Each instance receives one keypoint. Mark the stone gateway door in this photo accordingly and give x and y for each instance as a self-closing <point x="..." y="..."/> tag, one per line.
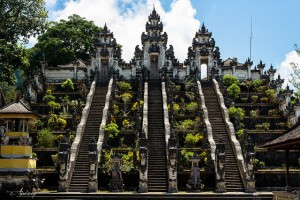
<point x="154" y="73"/>
<point x="104" y="70"/>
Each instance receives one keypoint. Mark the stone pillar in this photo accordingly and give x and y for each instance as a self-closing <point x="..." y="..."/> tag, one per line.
<point x="93" y="170"/>
<point x="233" y="70"/>
<point x="220" y="162"/>
<point x="143" y="174"/>
<point x="63" y="160"/>
<point x="172" y="166"/>
<point x="250" y="159"/>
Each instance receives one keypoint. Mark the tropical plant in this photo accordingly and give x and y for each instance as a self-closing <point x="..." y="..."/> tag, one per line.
<point x="236" y="112"/>
<point x="116" y="109"/>
<point x="229" y="80"/>
<point x="192" y="107"/>
<point x="54" y="106"/>
<point x="126" y="97"/>
<point x="45" y="138"/>
<point x="48" y="97"/>
<point x="56" y="122"/>
<point x="185" y="125"/>
<point x="68" y="85"/>
<point x="112" y="129"/>
<point x="191" y="140"/>
<point x="234" y="91"/>
<point x="240" y="134"/>
<point x="123" y="85"/>
<point x="254" y="98"/>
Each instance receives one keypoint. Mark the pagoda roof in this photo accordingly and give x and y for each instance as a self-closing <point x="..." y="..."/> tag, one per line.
<point x="15" y="109"/>
<point x="289" y="140"/>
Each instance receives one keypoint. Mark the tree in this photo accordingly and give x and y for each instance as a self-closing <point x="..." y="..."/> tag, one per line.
<point x="296" y="73"/>
<point x="65" y="41"/>
<point x="19" y="20"/>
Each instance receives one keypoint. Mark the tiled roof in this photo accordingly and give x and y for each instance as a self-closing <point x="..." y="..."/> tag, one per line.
<point x="16" y="107"/>
<point x="292" y="135"/>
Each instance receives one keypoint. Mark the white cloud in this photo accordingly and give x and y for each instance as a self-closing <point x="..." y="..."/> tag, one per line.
<point x="50" y="3"/>
<point x="285" y="68"/>
<point x="129" y="23"/>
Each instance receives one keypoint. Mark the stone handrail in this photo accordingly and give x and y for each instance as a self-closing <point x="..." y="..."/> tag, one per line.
<point x="104" y="119"/>
<point x="80" y="129"/>
<point x="210" y="138"/>
<point x="231" y="133"/>
<point x="145" y="110"/>
<point x="166" y="115"/>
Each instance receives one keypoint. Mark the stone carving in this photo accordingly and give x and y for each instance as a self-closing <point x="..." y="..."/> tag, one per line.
<point x="63" y="160"/>
<point x="143" y="179"/>
<point x="195" y="183"/>
<point x="172" y="166"/>
<point x="93" y="159"/>
<point x="220" y="183"/>
<point x="116" y="181"/>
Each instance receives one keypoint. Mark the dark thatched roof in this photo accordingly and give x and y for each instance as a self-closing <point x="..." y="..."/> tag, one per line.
<point x="289" y="140"/>
<point x="16" y="108"/>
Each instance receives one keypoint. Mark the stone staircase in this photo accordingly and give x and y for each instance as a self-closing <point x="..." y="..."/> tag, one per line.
<point x="80" y="177"/>
<point x="232" y="175"/>
<point x="157" y="162"/>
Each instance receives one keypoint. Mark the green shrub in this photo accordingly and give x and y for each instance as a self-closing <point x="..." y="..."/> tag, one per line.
<point x="254" y="98"/>
<point x="273" y="112"/>
<point x="262" y="88"/>
<point x="116" y="109"/>
<point x="270" y="93"/>
<point x="191" y="140"/>
<point x="266" y="126"/>
<point x="258" y="163"/>
<point x="123" y="85"/>
<point x="185" y="125"/>
<point x="55" y="159"/>
<point x="127" y="124"/>
<point x="57" y="122"/>
<point x="48" y="97"/>
<point x="127" y="162"/>
<point x="244" y="100"/>
<point x="54" y="106"/>
<point x="112" y="129"/>
<point x="240" y="134"/>
<point x="126" y="97"/>
<point x="185" y="156"/>
<point x="176" y="108"/>
<point x="229" y="80"/>
<point x="192" y="107"/>
<point x="264" y="100"/>
<point x="33" y="155"/>
<point x="236" y="112"/>
<point x="72" y="137"/>
<point x="190" y="95"/>
<point x="177" y="88"/>
<point x="59" y="138"/>
<point x="256" y="84"/>
<point x="68" y="85"/>
<point x="203" y="157"/>
<point x="254" y="113"/>
<point x="234" y="91"/>
<point x="45" y="138"/>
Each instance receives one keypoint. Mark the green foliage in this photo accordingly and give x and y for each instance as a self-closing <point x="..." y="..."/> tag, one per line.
<point x="9" y="91"/>
<point x="256" y="84"/>
<point x="59" y="138"/>
<point x="56" y="122"/>
<point x="190" y="95"/>
<point x="185" y="125"/>
<point x="254" y="98"/>
<point x="135" y="106"/>
<point x="125" y="86"/>
<point x="244" y="100"/>
<point x="192" y="107"/>
<point x="254" y="113"/>
<point x="266" y="126"/>
<point x="234" y="91"/>
<point x="270" y="93"/>
<point x="185" y="156"/>
<point x="258" y="163"/>
<point x="48" y="97"/>
<point x="126" y="97"/>
<point x="68" y="85"/>
<point x="54" y="106"/>
<point x="229" y="80"/>
<point x="55" y="159"/>
<point x="262" y="88"/>
<point x="203" y="157"/>
<point x="33" y="155"/>
<point x="236" y="112"/>
<point x="116" y="109"/>
<point x="240" y="134"/>
<point x="191" y="140"/>
<point x="177" y="88"/>
<point x="21" y="19"/>
<point x="264" y="100"/>
<point x="45" y="138"/>
<point x="273" y="112"/>
<point x="65" y="41"/>
<point x="127" y="162"/>
<point x="127" y="124"/>
<point x="112" y="129"/>
<point x="176" y="108"/>
<point x="72" y="137"/>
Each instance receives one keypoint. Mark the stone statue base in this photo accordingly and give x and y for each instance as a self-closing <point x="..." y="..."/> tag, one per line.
<point x="116" y="185"/>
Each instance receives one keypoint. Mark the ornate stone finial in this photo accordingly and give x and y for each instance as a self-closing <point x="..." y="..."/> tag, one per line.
<point x="105" y="27"/>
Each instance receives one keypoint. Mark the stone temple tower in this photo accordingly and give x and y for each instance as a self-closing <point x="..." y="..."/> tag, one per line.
<point x="154" y="43"/>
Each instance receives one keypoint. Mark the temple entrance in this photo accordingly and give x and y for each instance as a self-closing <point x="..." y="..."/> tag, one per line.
<point x="154" y="73"/>
<point x="204" y="72"/>
<point x="104" y="70"/>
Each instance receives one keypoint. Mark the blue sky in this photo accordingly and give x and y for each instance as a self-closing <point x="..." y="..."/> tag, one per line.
<point x="275" y="24"/>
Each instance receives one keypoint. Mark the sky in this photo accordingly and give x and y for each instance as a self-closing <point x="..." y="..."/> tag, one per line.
<point x="275" y="25"/>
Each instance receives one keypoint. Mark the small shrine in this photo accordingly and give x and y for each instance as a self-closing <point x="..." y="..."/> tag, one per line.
<point x="17" y="165"/>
